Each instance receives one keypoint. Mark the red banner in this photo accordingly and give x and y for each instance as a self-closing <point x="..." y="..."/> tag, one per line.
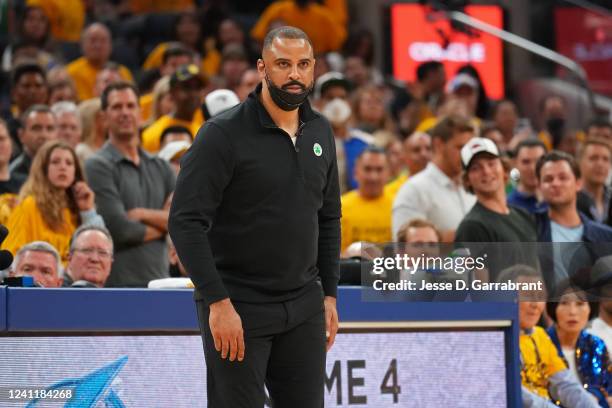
<point x="586" y="38"/>
<point x="419" y="35"/>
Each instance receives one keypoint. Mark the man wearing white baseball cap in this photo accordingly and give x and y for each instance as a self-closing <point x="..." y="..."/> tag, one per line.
<point x="491" y="219"/>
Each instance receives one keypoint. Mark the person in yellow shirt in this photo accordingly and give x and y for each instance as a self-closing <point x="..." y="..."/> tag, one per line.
<point x="54" y="200"/>
<point x="366" y="211"/>
<point x="173" y="57"/>
<point x="321" y="25"/>
<point x="186" y="86"/>
<point x="66" y="17"/>
<point x="539" y="356"/>
<point x="96" y="45"/>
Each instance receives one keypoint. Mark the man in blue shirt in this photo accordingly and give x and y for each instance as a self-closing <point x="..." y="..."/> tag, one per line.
<point x="559" y="182"/>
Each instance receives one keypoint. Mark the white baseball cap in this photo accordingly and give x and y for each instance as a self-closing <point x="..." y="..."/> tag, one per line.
<point x="329" y="79"/>
<point x="219" y="101"/>
<point x="462" y="80"/>
<point x="477" y="145"/>
<point x="173" y="149"/>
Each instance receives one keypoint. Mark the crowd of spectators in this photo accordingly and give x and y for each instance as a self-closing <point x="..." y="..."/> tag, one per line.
<point x="106" y="96"/>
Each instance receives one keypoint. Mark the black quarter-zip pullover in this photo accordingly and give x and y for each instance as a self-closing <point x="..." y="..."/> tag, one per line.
<point x="255" y="218"/>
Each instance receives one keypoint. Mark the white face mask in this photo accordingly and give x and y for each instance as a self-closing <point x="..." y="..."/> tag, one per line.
<point x="337" y="111"/>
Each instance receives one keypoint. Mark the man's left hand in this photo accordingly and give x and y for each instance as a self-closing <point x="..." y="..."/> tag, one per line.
<point x="331" y="320"/>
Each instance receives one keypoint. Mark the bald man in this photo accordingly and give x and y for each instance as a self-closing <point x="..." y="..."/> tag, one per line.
<point x="260" y="236"/>
<point x="97" y="46"/>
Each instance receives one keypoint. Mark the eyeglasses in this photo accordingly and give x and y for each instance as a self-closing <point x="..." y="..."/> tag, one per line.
<point x="102" y="253"/>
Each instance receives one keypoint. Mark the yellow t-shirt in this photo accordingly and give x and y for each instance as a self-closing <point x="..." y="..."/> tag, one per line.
<point x="8" y="201"/>
<point x="66" y="17"/>
<point x="84" y="77"/>
<point x="210" y="63"/>
<point x="365" y="220"/>
<point x="26" y="224"/>
<point x="146" y="106"/>
<point x="318" y="22"/>
<point x="393" y="187"/>
<point x="152" y="134"/>
<point x="535" y="372"/>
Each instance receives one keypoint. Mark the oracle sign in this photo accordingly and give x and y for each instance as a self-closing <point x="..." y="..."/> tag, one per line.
<point x="589" y="43"/>
<point x="458" y="52"/>
<point x="416" y="38"/>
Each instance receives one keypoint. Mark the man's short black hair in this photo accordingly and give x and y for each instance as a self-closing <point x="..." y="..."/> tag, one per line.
<point x="288" y="32"/>
<point x="175" y="50"/>
<point x="174" y="129"/>
<point x="529" y="143"/>
<point x="426" y="68"/>
<point x="556" y="156"/>
<point x="116" y="86"/>
<point x="27" y="68"/>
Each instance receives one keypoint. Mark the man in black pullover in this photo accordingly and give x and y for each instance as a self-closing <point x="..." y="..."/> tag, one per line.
<point x="256" y="222"/>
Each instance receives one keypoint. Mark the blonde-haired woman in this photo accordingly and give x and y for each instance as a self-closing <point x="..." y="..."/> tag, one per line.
<point x="162" y="101"/>
<point x="53" y="202"/>
<point x="94" y="128"/>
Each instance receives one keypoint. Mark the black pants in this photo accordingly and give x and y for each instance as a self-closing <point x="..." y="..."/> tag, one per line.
<point x="284" y="348"/>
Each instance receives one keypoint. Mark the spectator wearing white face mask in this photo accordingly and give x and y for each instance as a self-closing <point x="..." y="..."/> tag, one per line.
<point x="331" y="93"/>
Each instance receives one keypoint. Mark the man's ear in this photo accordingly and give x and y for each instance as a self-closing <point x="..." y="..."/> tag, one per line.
<point x="578" y="184"/>
<point x="261" y="68"/>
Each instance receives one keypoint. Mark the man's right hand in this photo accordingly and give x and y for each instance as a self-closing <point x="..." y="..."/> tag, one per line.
<point x="226" y="328"/>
